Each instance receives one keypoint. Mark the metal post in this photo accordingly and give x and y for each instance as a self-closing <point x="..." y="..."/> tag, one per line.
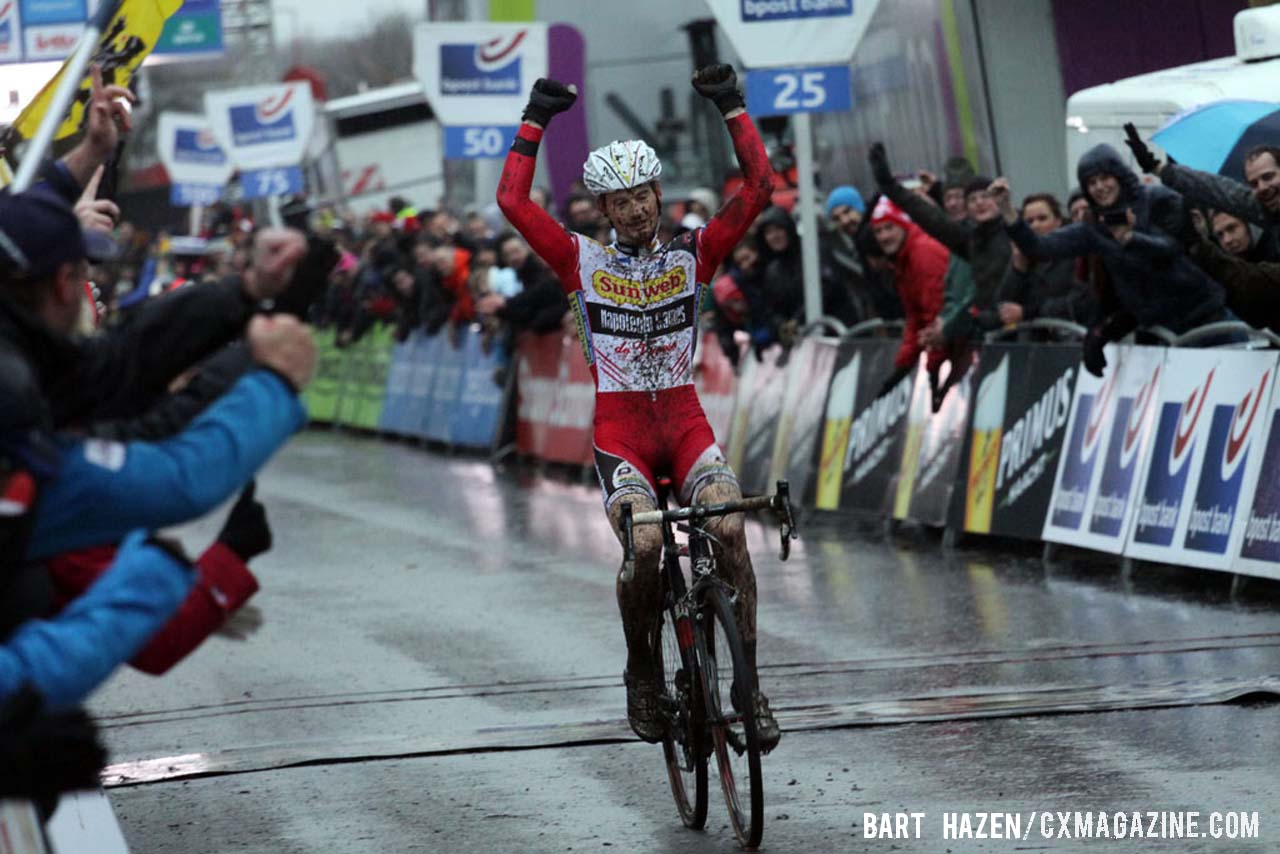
<point x="273" y="211"/>
<point x="808" y="216"/>
<point x="193" y="226"/>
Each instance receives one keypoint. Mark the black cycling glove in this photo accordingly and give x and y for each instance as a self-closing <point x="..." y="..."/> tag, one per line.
<point x="546" y="99"/>
<point x="719" y="84"/>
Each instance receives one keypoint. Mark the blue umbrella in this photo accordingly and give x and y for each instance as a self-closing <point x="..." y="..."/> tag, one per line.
<point x="1215" y="137"/>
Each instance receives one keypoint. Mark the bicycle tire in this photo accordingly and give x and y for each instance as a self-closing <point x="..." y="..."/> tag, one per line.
<point x="733" y="730"/>
<point x="684" y="747"/>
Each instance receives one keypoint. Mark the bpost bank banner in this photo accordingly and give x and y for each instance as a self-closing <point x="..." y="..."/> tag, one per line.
<point x="808" y="376"/>
<point x="1204" y="458"/>
<point x="1097" y="478"/>
<point x="767" y="33"/>
<point x="479" y="73"/>
<point x="1019" y="420"/>
<point x="191" y="154"/>
<point x="1259" y="549"/>
<point x="861" y="445"/>
<point x="932" y="451"/>
<point x="261" y="127"/>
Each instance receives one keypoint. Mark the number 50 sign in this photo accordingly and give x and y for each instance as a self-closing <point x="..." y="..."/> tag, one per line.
<point x="807" y="89"/>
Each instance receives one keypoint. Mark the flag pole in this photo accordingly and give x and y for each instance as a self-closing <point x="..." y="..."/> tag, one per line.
<point x="72" y="75"/>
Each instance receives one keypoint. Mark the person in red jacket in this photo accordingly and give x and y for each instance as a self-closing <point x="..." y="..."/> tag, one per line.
<point x="920" y="269"/>
<point x="223" y="584"/>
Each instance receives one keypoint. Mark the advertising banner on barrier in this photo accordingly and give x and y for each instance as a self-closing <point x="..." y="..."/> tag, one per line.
<point x="1019" y="422"/>
<point x="395" y="405"/>
<point x="931" y="452"/>
<point x="1107" y="434"/>
<point x="762" y="398"/>
<point x="1204" y="456"/>
<point x="716" y="382"/>
<point x="322" y="392"/>
<point x="861" y="445"/>
<point x="808" y="376"/>
<point x="447" y="388"/>
<point x="556" y="399"/>
<point x="1259" y="547"/>
<point x="475" y="418"/>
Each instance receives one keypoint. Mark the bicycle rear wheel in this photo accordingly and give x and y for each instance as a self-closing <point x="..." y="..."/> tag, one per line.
<point x="685" y="745"/>
<point x="729" y="688"/>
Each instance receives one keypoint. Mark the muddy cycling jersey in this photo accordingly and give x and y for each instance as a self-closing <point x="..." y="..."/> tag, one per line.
<point x="637" y="317"/>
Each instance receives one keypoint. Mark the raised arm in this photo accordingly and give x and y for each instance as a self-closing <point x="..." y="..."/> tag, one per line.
<point x="719" y="84"/>
<point x="927" y="215"/>
<point x="552" y="243"/>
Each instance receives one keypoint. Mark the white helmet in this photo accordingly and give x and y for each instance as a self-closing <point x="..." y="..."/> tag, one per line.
<point x="620" y="166"/>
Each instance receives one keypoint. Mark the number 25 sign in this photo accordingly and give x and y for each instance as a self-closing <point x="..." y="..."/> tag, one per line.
<point x="809" y="89"/>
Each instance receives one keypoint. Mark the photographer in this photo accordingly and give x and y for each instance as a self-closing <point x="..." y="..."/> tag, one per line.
<point x="1138" y="233"/>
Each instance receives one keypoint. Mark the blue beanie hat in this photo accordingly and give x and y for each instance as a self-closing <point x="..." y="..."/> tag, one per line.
<point x="846" y="195"/>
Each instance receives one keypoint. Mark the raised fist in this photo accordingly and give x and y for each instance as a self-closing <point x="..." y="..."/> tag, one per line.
<point x="880" y="170"/>
<point x="719" y="84"/>
<point x="546" y="99"/>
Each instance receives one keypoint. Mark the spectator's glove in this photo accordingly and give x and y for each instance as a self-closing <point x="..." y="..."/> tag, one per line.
<point x="1141" y="153"/>
<point x="1095" y="361"/>
<point x="880" y="170"/>
<point x="246" y="531"/>
<point x="719" y="83"/>
<point x="547" y="98"/>
<point x="43" y="754"/>
<point x="898" y="375"/>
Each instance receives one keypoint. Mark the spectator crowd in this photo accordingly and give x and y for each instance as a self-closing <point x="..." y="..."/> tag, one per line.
<point x="155" y="394"/>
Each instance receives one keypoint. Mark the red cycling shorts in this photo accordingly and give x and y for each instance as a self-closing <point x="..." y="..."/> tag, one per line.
<point x="641" y="436"/>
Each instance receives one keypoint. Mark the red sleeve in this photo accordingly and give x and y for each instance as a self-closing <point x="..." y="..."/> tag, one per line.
<point x="546" y="238"/>
<point x="727" y="228"/>
<point x="223" y="584"/>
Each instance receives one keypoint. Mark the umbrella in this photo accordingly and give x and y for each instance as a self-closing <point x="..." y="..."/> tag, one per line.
<point x="1215" y="137"/>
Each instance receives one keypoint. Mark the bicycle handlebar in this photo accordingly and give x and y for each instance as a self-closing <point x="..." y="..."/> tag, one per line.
<point x="780" y="502"/>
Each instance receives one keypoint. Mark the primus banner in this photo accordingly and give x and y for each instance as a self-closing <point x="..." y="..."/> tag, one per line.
<point x="1020" y="415"/>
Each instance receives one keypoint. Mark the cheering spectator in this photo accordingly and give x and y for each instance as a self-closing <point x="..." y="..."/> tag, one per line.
<point x="922" y="267"/>
<point x="1239" y="238"/>
<point x="979" y="238"/>
<point x="1051" y="289"/>
<point x="1138" y="237"/>
<point x="1256" y="201"/>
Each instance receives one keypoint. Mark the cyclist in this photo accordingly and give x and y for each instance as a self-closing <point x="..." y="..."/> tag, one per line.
<point x="636" y="304"/>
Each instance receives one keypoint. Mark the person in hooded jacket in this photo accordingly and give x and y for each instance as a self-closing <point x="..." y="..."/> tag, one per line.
<point x="1050" y="289"/>
<point x="1138" y="234"/>
<point x="782" y="281"/>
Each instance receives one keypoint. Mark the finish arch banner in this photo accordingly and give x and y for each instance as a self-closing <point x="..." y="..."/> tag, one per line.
<point x="261" y="127"/>
<point x="774" y="33"/>
<point x="1106" y="438"/>
<point x="1205" y="455"/>
<point x="479" y="74"/>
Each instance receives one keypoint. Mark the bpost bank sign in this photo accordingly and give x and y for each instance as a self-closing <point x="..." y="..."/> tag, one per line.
<point x="489" y="68"/>
<point x="755" y="11"/>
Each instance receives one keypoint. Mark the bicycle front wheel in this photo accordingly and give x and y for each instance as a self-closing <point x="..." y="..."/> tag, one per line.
<point x="729" y="688"/>
<point x="685" y="745"/>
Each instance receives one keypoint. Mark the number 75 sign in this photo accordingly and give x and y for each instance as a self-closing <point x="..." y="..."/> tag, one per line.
<point x="806" y="89"/>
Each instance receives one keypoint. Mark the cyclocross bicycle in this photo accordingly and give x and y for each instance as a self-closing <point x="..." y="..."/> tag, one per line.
<point x="706" y="684"/>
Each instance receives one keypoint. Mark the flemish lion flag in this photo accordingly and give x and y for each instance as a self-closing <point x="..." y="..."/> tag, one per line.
<point x="127" y="40"/>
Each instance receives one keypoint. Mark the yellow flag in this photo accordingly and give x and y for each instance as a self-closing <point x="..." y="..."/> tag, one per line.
<point x="124" y="44"/>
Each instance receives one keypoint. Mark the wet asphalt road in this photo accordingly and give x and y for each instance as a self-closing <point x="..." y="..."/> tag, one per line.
<point x="438" y="669"/>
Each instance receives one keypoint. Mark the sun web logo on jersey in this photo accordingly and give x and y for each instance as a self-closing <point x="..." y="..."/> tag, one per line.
<point x="754" y="11"/>
<point x="269" y="120"/>
<point x="197" y="147"/>
<point x="489" y="68"/>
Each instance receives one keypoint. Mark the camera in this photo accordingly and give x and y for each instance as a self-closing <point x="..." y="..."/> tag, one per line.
<point x="1116" y="217"/>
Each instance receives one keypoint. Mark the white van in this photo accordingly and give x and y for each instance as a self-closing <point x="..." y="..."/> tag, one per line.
<point x="388" y="143"/>
<point x="1098" y="114"/>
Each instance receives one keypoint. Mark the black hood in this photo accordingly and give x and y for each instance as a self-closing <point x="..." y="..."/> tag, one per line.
<point x="777" y="216"/>
<point x="1105" y="160"/>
